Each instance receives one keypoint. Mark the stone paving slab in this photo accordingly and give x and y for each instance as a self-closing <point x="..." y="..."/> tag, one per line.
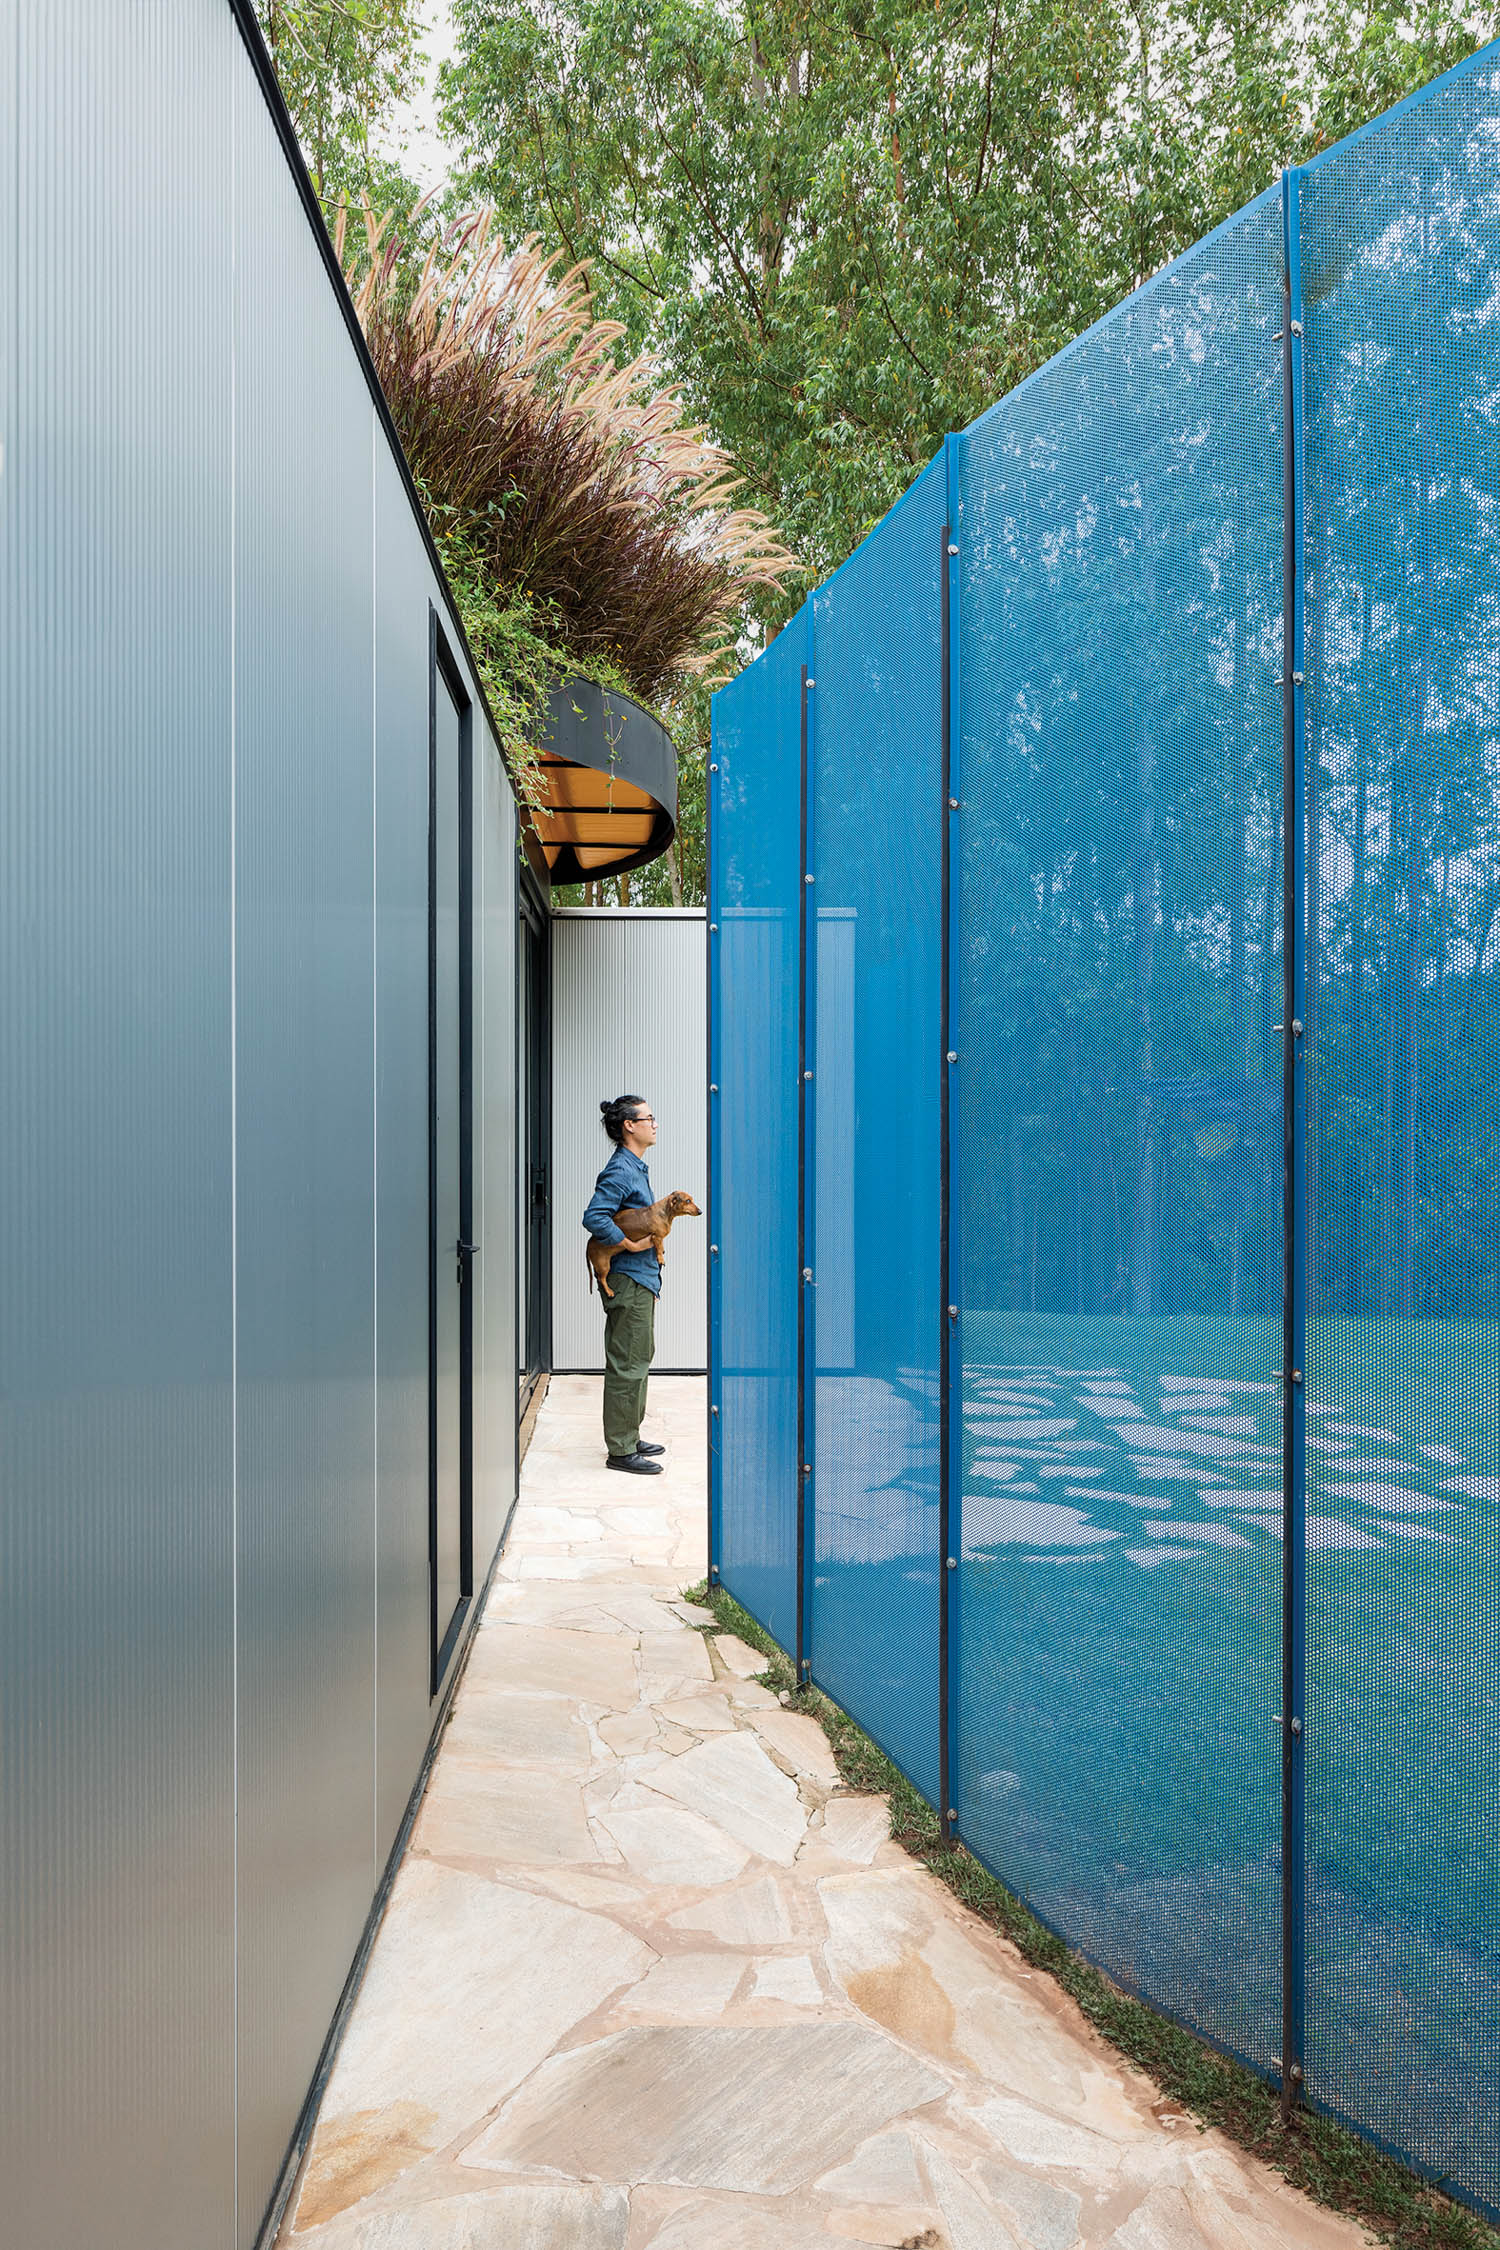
<point x="651" y="1979"/>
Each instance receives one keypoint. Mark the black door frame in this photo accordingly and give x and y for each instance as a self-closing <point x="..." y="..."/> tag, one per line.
<point x="534" y="911"/>
<point x="443" y="671"/>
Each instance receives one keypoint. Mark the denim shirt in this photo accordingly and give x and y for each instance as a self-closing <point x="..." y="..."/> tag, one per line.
<point x="623" y="1180"/>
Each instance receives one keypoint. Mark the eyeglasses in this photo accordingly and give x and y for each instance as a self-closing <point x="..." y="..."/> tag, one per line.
<point x="643" y="1117"/>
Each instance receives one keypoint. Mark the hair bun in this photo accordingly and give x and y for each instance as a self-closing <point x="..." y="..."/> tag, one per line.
<point x="616" y="1115"/>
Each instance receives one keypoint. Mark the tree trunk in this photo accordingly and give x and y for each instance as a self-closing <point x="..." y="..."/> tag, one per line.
<point x="1411" y="1043"/>
<point x="1383" y="1154"/>
<point x="1313" y="848"/>
<point x="1017" y="1228"/>
<point x="1270" y="985"/>
<point x="1441" y="1172"/>
<point x="1356" y="1299"/>
<point x="1241" y="1060"/>
<point x="1144" y="1232"/>
<point x="1412" y="934"/>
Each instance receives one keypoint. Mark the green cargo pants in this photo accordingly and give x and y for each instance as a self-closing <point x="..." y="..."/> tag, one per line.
<point x="629" y="1341"/>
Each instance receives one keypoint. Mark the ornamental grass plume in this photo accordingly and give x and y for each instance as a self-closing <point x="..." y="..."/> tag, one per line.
<point x="569" y="475"/>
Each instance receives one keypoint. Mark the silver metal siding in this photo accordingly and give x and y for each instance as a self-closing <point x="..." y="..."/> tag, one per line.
<point x="403" y="597"/>
<point x="213" y="1005"/>
<point x="496" y="908"/>
<point x="628" y="998"/>
<point x="116" y="1552"/>
<point x="304" y="932"/>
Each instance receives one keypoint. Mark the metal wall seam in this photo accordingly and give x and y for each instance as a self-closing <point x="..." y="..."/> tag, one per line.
<point x="810" y="1093"/>
<point x="1294" y="1184"/>
<point x="712" y="1414"/>
<point x="375" y="435"/>
<point x="232" y="572"/>
<point x="805" y="1170"/>
<point x="405" y="593"/>
<point x="496" y="1152"/>
<point x="949" y="1482"/>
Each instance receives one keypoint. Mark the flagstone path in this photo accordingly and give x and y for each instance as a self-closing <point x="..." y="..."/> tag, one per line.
<point x="650" y="1979"/>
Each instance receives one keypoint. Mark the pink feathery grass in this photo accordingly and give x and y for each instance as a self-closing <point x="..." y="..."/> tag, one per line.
<point x="574" y="475"/>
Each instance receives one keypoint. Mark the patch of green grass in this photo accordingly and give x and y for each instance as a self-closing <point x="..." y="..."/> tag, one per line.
<point x="1328" y="2162"/>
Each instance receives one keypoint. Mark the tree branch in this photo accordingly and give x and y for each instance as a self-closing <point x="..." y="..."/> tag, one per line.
<point x="989" y="101"/>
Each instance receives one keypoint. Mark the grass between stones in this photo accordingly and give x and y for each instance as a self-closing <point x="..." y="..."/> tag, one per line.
<point x="1328" y="2162"/>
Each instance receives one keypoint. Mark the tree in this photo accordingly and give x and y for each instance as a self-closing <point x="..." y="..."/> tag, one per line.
<point x="346" y="67"/>
<point x="850" y="225"/>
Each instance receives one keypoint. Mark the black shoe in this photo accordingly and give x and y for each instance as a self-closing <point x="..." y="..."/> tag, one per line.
<point x="643" y="1445"/>
<point x="635" y="1464"/>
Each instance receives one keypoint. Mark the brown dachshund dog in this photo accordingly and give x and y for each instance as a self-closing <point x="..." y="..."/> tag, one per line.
<point x="652" y="1223"/>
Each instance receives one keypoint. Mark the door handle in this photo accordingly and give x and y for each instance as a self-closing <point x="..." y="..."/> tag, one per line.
<point x="464" y="1250"/>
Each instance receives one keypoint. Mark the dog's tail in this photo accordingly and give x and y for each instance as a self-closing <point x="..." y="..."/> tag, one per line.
<point x="588" y="1261"/>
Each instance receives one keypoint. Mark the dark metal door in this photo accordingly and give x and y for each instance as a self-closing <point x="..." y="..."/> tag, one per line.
<point x="452" y="1245"/>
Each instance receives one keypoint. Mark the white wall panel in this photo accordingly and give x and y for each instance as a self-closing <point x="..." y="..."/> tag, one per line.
<point x="628" y="1001"/>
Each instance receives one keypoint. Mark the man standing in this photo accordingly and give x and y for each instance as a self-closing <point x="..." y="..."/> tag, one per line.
<point x="635" y="1278"/>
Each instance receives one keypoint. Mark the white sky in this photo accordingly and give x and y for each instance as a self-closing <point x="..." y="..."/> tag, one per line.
<point x="426" y="157"/>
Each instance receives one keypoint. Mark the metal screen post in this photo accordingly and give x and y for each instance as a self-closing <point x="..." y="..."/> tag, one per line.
<point x="804" y="1189"/>
<point x="948" y="1536"/>
<point x="715" y="1358"/>
<point x="1294" y="1171"/>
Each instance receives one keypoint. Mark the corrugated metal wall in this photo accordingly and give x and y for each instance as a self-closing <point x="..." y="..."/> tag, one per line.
<point x="214" y="674"/>
<point x="116" y="1132"/>
<point x="628" y="999"/>
<point x="305" y="1154"/>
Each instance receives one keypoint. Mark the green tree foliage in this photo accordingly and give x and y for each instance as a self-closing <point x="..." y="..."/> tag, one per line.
<point x="852" y="224"/>
<point x="346" y="68"/>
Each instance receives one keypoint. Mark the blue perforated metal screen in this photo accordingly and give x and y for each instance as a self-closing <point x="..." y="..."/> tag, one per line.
<point x="1116" y="1138"/>
<point x="756" y="882"/>
<point x="1136" y="1216"/>
<point x="1401" y="247"/>
<point x="875" y="972"/>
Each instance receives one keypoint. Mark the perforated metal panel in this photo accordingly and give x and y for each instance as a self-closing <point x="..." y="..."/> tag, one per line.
<point x="754" y="977"/>
<point x="875" y="968"/>
<point x="1401" y="246"/>
<point x="1116" y="1151"/>
<point x="1220" y="1669"/>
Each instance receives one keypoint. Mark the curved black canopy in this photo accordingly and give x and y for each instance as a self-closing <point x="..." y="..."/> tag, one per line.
<point x="610" y="771"/>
